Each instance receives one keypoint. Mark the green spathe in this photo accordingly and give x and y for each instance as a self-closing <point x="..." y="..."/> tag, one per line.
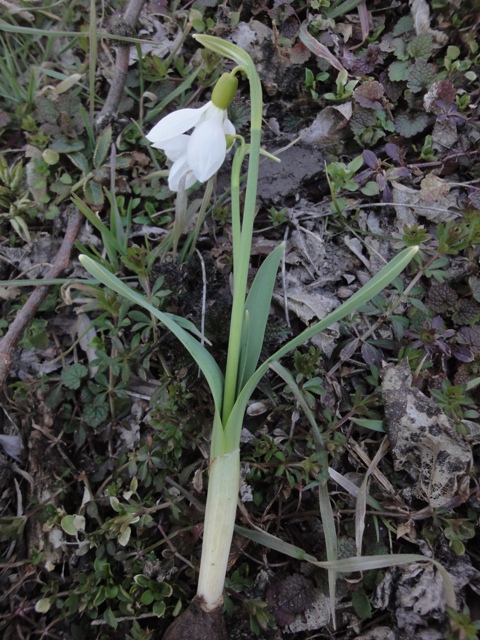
<point x="224" y="91"/>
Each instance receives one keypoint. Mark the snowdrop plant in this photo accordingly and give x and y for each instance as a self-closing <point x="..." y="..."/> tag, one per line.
<point x="231" y="391"/>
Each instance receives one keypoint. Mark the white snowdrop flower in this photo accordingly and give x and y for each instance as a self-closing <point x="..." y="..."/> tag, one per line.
<point x="200" y="155"/>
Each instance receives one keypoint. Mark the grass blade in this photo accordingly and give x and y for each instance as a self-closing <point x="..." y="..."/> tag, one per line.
<point x="349" y="565"/>
<point x="112" y="245"/>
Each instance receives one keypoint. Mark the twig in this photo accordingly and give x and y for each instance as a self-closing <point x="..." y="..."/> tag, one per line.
<point x="27" y="312"/>
<point x="129" y="20"/>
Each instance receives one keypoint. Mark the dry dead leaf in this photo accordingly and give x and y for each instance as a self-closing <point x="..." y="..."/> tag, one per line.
<point x="444" y="136"/>
<point x="410" y="204"/>
<point x="421" y="20"/>
<point x="432" y="187"/>
<point x="443" y="90"/>
<point x="416" y="593"/>
<point x="20" y="12"/>
<point x="328" y="123"/>
<point x="424" y="444"/>
<point x="407" y="530"/>
<point x="10" y="293"/>
<point x="421" y="16"/>
<point x="317" y="616"/>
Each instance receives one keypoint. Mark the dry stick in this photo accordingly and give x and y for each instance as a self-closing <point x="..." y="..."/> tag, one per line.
<point x="27" y="312"/>
<point x="115" y="94"/>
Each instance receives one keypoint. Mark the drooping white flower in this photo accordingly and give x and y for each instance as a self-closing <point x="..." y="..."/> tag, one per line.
<point x="200" y="155"/>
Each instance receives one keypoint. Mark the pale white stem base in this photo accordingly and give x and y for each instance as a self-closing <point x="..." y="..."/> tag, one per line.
<point x="223" y="486"/>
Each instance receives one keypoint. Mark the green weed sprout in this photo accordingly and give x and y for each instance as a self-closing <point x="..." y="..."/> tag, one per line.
<point x="232" y="391"/>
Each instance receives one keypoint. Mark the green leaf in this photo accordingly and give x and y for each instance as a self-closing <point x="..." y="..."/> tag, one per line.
<point x="409" y="124"/>
<point x="398" y="71"/>
<point x="341" y="9"/>
<point x="51" y="157"/>
<point x="94" y="193"/>
<point x="80" y="161"/>
<point x="226" y="49"/>
<point x="159" y="609"/>
<point x="475" y="287"/>
<point x="421" y="47"/>
<point x="453" y="52"/>
<point x="370" y="189"/>
<point x="94" y="415"/>
<point x="421" y="76"/>
<point x="348" y="565"/>
<point x="20" y="227"/>
<point x="61" y="145"/>
<point x="124" y="537"/>
<point x="355" y="165"/>
<point x="142" y="580"/>
<point x="418" y="304"/>
<point x="115" y="504"/>
<point x="73" y="524"/>
<point x="112" y="245"/>
<point x="110" y="618"/>
<point x="147" y="598"/>
<point x="201" y="356"/>
<point x="373" y="425"/>
<point x="457" y="547"/>
<point x="67" y="525"/>
<point x="43" y="605"/>
<point x="72" y="376"/>
<point x="326" y="512"/>
<point x="361" y="604"/>
<point x="102" y="147"/>
<point x="257" y="306"/>
<point x="403" y="25"/>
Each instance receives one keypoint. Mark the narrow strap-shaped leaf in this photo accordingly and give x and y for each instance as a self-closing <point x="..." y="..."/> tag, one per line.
<point x="257" y="306"/>
<point x="201" y="356"/>
<point x="379" y="281"/>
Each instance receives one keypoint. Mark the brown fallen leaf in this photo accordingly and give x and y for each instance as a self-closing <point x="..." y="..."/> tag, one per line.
<point x="424" y="443"/>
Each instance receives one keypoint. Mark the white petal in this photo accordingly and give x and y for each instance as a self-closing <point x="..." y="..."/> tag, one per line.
<point x="174" y="124"/>
<point x="177" y="171"/>
<point x="207" y="149"/>
<point x="176" y="147"/>
<point x="210" y="111"/>
<point x="228" y="128"/>
<point x="190" y="180"/>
